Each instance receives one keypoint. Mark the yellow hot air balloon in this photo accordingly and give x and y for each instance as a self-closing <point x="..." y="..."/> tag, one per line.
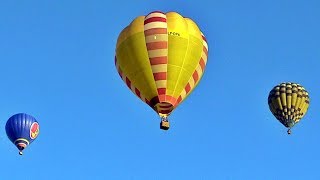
<point x="288" y="102"/>
<point x="161" y="58"/>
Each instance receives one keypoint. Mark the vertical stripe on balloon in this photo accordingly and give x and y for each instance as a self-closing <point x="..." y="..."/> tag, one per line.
<point x="156" y="36"/>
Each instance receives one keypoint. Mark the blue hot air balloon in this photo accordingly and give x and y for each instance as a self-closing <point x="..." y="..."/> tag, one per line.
<point x="22" y="129"/>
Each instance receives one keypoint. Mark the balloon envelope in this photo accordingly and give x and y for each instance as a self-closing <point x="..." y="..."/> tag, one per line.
<point x="288" y="102"/>
<point x="161" y="58"/>
<point x="22" y="129"/>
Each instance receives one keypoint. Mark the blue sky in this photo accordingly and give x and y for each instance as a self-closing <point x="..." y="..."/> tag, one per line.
<point x="57" y="64"/>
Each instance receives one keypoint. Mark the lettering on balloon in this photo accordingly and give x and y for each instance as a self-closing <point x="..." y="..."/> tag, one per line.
<point x="173" y="33"/>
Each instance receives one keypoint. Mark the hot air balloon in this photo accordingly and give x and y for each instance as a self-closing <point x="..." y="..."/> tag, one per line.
<point x="288" y="102"/>
<point x="161" y="58"/>
<point x="22" y="129"/>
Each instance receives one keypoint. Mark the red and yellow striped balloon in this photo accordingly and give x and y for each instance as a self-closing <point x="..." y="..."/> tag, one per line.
<point x="161" y="57"/>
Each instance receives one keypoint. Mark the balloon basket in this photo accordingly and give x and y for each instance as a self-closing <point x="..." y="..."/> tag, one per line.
<point x="164" y="125"/>
<point x="289" y="131"/>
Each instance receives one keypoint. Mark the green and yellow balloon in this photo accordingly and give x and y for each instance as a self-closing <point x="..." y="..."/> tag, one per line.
<point x="288" y="102"/>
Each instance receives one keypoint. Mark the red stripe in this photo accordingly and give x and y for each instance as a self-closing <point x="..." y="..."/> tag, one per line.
<point x="160" y="76"/>
<point x="154" y="19"/>
<point x="202" y="64"/>
<point x="155" y="31"/>
<point x="22" y="145"/>
<point x="195" y="76"/>
<point x="128" y="82"/>
<point x="155" y="12"/>
<point x="179" y="99"/>
<point x="159" y="60"/>
<point x="137" y="92"/>
<point x="170" y="99"/>
<point x="204" y="38"/>
<point x="161" y="90"/>
<point x="205" y="50"/>
<point x="162" y="97"/>
<point x="157" y="45"/>
<point x="165" y="106"/>
<point x="187" y="88"/>
<point x="165" y="111"/>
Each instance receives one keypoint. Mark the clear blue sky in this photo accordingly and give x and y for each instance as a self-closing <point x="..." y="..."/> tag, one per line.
<point x="57" y="63"/>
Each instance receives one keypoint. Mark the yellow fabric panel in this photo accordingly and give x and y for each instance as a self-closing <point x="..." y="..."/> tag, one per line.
<point x="276" y="102"/>
<point x="193" y="54"/>
<point x="184" y="52"/>
<point x="299" y="97"/>
<point x="134" y="60"/>
<point x="172" y="78"/>
<point x="134" y="28"/>
<point x="294" y="95"/>
<point x="289" y="96"/>
<point x="302" y="112"/>
<point x="123" y="36"/>
<point x="194" y="30"/>
<point x="177" y="47"/>
<point x="305" y="107"/>
<point x="177" y="25"/>
<point x="199" y="72"/>
<point x="279" y="104"/>
<point x="283" y="96"/>
<point x="307" y="103"/>
<point x="302" y="103"/>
